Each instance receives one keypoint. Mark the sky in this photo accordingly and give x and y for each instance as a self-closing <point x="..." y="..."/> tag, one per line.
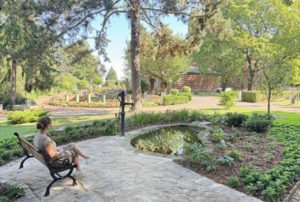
<point x="118" y="33"/>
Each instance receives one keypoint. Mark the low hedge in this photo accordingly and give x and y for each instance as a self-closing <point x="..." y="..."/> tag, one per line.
<point x="173" y="100"/>
<point x="250" y="96"/>
<point x="189" y="95"/>
<point x="25" y="116"/>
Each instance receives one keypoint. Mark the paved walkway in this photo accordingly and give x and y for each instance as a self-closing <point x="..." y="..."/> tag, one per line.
<point x="117" y="172"/>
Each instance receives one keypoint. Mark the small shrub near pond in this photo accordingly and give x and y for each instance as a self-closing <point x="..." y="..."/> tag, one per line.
<point x="235" y="154"/>
<point x="233" y="181"/>
<point x="198" y="154"/>
<point x="235" y="119"/>
<point x="258" y="122"/>
<point x="226" y="160"/>
<point x="26" y="116"/>
<point x="217" y="134"/>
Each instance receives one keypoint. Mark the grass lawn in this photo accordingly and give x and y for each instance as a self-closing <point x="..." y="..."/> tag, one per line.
<point x="281" y="117"/>
<point x="7" y="129"/>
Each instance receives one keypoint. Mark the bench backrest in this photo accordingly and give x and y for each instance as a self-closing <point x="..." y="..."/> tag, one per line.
<point x="30" y="149"/>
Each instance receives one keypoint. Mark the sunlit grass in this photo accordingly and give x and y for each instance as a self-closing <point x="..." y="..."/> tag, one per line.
<point x="7" y="129"/>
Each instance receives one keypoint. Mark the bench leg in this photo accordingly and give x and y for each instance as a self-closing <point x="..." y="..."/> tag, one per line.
<point x="27" y="157"/>
<point x="48" y="188"/>
<point x="74" y="180"/>
<point x="70" y="176"/>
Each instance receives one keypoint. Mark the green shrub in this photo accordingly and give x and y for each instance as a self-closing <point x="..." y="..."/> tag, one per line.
<point x="172" y="100"/>
<point x="186" y="89"/>
<point x="10" y="192"/>
<point x="235" y="119"/>
<point x="182" y="115"/>
<point x="228" y="99"/>
<point x="226" y="160"/>
<point x="217" y="134"/>
<point x="250" y="96"/>
<point x="259" y="123"/>
<point x="236" y="155"/>
<point x="82" y="84"/>
<point x="26" y="116"/>
<point x="174" y="92"/>
<point x="197" y="115"/>
<point x="189" y="95"/>
<point x="233" y="181"/>
<point x="197" y="153"/>
<point x="215" y="118"/>
<point x="145" y="118"/>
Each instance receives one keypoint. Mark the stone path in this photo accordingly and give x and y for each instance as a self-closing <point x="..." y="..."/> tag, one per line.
<point x="117" y="172"/>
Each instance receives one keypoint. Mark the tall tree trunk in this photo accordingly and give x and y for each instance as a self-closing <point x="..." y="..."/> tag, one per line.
<point x="169" y="87"/>
<point x="13" y="81"/>
<point x="251" y="72"/>
<point x="152" y="82"/>
<point x="224" y="83"/>
<point x="269" y="99"/>
<point x="135" y="54"/>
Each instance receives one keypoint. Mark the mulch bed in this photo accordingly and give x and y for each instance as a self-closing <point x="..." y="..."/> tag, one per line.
<point x="258" y="151"/>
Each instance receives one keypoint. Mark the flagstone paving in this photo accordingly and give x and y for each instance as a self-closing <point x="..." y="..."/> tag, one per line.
<point x="117" y="172"/>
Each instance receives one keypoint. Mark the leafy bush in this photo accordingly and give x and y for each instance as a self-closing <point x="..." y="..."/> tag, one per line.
<point x="145" y="118"/>
<point x="182" y="115"/>
<point x="186" y="89"/>
<point x="26" y="116"/>
<point x="250" y="96"/>
<point x="197" y="153"/>
<point x="83" y="84"/>
<point x="172" y="100"/>
<point x="236" y="155"/>
<point x="217" y="134"/>
<point x="259" y="123"/>
<point x="189" y="95"/>
<point x="228" y="99"/>
<point x="226" y="160"/>
<point x="197" y="115"/>
<point x="235" y="119"/>
<point x="10" y="192"/>
<point x="174" y="92"/>
<point x="233" y="181"/>
<point x="67" y="82"/>
<point x="215" y="118"/>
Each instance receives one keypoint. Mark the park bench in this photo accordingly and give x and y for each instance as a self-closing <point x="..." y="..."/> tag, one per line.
<point x="55" y="166"/>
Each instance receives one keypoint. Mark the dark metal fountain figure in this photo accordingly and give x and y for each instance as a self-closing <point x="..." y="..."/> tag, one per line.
<point x="121" y="98"/>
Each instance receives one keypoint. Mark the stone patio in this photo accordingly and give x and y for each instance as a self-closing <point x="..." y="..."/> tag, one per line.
<point x="117" y="172"/>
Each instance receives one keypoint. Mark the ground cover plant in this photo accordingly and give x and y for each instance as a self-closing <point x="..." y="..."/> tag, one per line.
<point x="10" y="192"/>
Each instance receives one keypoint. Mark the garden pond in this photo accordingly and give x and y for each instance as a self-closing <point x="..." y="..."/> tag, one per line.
<point x="173" y="140"/>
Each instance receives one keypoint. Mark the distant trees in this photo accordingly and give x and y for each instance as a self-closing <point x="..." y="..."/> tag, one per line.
<point x="68" y="17"/>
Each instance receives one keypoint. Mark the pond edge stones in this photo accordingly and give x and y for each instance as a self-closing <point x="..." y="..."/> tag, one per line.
<point x="203" y="136"/>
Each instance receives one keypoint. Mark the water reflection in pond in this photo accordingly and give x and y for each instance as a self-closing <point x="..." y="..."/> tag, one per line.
<point x="170" y="140"/>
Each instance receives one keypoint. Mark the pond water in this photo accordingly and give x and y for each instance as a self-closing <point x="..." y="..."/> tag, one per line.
<point x="169" y="140"/>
